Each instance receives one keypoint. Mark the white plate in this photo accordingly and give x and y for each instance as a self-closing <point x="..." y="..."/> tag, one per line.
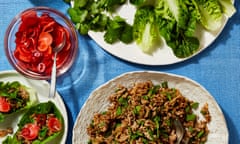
<point x="98" y="102"/>
<point x="162" y="56"/>
<point x="42" y="89"/>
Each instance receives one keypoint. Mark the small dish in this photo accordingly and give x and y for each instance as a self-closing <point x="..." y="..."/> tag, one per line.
<point x="41" y="87"/>
<point x="29" y="40"/>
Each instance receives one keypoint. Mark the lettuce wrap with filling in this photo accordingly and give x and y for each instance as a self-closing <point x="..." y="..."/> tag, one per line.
<point x="41" y="124"/>
<point x="15" y="97"/>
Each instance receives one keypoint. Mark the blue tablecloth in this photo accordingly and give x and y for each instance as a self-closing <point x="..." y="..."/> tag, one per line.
<point x="217" y="68"/>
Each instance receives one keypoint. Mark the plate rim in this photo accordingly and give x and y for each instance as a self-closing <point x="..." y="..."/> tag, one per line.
<point x="216" y="105"/>
<point x="57" y="99"/>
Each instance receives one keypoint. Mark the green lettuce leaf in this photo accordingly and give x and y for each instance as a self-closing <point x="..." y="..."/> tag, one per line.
<point x="12" y="90"/>
<point x="211" y="14"/>
<point x="177" y="21"/>
<point x="145" y="31"/>
<point x="227" y="7"/>
<point x="41" y="108"/>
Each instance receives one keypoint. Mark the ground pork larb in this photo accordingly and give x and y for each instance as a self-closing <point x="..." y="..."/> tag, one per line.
<point x="144" y="114"/>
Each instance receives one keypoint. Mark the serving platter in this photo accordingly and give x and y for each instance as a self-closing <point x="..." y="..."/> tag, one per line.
<point x="42" y="89"/>
<point x="98" y="102"/>
<point x="163" y="55"/>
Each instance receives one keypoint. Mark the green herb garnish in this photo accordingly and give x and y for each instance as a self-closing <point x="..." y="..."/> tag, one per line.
<point x="191" y="117"/>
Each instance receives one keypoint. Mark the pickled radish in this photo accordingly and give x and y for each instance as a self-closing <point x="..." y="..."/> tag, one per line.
<point x="30" y="131"/>
<point x="54" y="124"/>
<point x="45" y="38"/>
<point x="42" y="47"/>
<point x="35" y="38"/>
<point x="4" y="105"/>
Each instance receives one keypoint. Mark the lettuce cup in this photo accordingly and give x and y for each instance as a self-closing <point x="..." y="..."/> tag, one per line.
<point x="41" y="124"/>
<point x="15" y="97"/>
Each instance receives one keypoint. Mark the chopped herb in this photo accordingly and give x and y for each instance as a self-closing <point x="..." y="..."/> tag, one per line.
<point x="145" y="97"/>
<point x="43" y="133"/>
<point x="203" y="112"/>
<point x="103" y="113"/>
<point x="123" y="101"/>
<point x="129" y="130"/>
<point x="168" y="122"/>
<point x="136" y="135"/>
<point x="190" y="129"/>
<point x="153" y="90"/>
<point x="150" y="132"/>
<point x="169" y="96"/>
<point x="165" y="84"/>
<point x="157" y="121"/>
<point x="191" y="117"/>
<point x="136" y="109"/>
<point x="140" y="122"/>
<point x="119" y="111"/>
<point x="195" y="105"/>
<point x="145" y="141"/>
<point x="200" y="134"/>
<point x="187" y="109"/>
<point x="117" y="89"/>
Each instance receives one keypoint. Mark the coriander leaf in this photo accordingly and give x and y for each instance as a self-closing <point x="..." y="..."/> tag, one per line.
<point x="190" y="117"/>
<point x="126" y="36"/>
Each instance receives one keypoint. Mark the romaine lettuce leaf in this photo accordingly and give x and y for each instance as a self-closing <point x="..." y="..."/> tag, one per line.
<point x="145" y="31"/>
<point x="227" y="7"/>
<point x="41" y="108"/>
<point x="211" y="14"/>
<point x="13" y="92"/>
<point x="177" y="21"/>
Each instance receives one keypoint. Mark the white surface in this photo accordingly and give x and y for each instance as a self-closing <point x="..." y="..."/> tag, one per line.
<point x="162" y="56"/>
<point x="42" y="89"/>
<point x="98" y="102"/>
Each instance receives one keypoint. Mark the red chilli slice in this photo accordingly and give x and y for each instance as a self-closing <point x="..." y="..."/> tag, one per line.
<point x="54" y="124"/>
<point x="29" y="19"/>
<point x="4" y="105"/>
<point x="45" y="38"/>
<point x="30" y="131"/>
<point x="44" y="42"/>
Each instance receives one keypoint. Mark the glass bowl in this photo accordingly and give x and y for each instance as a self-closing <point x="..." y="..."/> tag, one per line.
<point x="29" y="40"/>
